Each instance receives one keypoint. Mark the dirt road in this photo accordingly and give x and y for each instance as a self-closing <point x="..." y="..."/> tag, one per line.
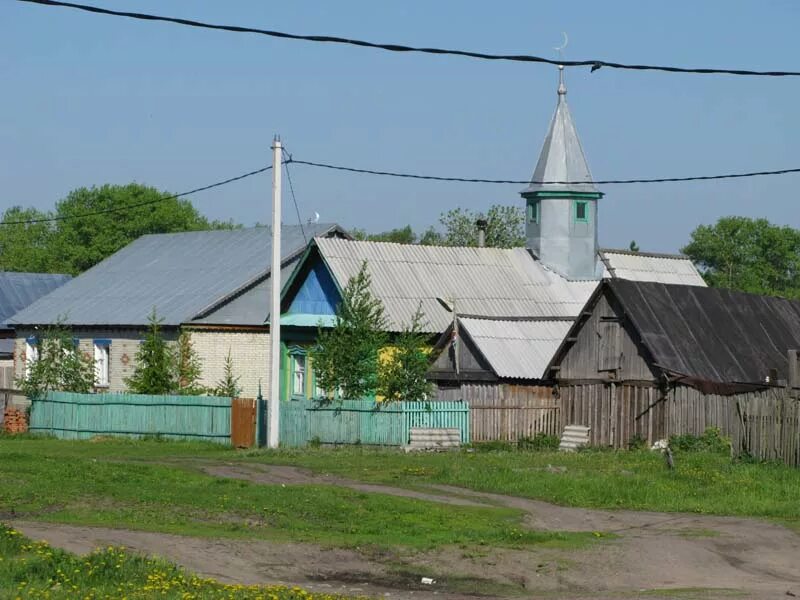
<point x="655" y="555"/>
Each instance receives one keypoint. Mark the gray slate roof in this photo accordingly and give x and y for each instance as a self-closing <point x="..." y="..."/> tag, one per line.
<point x="490" y="282"/>
<point x="516" y="349"/>
<point x="561" y="158"/>
<point x="711" y="338"/>
<point x="644" y="266"/>
<point x="18" y="290"/>
<point x="184" y="275"/>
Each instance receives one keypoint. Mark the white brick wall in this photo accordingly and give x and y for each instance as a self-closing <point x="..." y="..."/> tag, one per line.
<point x="249" y="353"/>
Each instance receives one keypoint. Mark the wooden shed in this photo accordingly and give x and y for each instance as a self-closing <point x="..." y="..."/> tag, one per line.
<point x="651" y="360"/>
<point x="495" y="365"/>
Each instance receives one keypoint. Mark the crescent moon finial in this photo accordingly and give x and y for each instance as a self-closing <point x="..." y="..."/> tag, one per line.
<point x="560" y="49"/>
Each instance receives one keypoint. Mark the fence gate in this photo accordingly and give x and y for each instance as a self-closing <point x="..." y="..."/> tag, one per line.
<point x="243" y="422"/>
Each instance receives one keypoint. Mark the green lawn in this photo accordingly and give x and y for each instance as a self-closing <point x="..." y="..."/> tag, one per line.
<point x="132" y="483"/>
<point x="124" y="484"/>
<point x="702" y="482"/>
<point x="35" y="570"/>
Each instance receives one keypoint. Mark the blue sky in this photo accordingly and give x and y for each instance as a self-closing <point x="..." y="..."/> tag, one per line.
<point x="88" y="100"/>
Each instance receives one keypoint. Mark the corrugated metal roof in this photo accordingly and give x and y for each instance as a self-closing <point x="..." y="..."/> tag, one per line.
<point x="561" y="158"/>
<point x="516" y="349"/>
<point x="490" y="282"/>
<point x="183" y="275"/>
<point x="641" y="266"/>
<point x="18" y="290"/>
<point x="710" y="334"/>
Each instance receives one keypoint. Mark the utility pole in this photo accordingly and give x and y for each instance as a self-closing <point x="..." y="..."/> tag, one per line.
<point x="275" y="309"/>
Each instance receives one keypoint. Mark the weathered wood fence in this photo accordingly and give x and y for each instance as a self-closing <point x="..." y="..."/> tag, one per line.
<point x="81" y="416"/>
<point x="507" y="412"/>
<point x="367" y="422"/>
<point x="764" y="424"/>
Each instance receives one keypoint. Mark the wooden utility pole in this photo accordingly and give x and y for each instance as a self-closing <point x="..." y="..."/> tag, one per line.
<point x="273" y="438"/>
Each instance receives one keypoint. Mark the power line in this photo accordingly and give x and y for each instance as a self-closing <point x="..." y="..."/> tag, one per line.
<point x="291" y="189"/>
<point x="138" y="204"/>
<point x="528" y="181"/>
<point x="525" y="58"/>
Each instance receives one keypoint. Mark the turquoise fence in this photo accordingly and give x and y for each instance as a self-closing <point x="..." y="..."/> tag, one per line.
<point x="81" y="416"/>
<point x="366" y="422"/>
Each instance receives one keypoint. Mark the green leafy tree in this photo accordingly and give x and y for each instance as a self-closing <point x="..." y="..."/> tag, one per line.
<point x="228" y="386"/>
<point x="59" y="367"/>
<point x="26" y="248"/>
<point x="346" y="357"/>
<point x="402" y="373"/>
<point x="155" y="363"/>
<point x="750" y="255"/>
<point x="72" y="245"/>
<point x="189" y="368"/>
<point x="634" y="247"/>
<point x="403" y="235"/>
<point x="506" y="227"/>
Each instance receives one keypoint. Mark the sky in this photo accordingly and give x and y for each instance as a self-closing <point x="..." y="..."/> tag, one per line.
<point x="87" y="100"/>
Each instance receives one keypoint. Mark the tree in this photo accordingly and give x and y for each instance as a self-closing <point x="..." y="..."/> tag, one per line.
<point x="155" y="363"/>
<point x="346" y="357"/>
<point x="746" y="254"/>
<point x="402" y="374"/>
<point x="403" y="235"/>
<point x="72" y="245"/>
<point x="634" y="247"/>
<point x="60" y="366"/>
<point x="26" y="248"/>
<point x="228" y="386"/>
<point x="189" y="369"/>
<point x="505" y="227"/>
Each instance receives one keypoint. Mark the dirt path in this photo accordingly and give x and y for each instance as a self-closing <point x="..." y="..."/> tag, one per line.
<point x="653" y="551"/>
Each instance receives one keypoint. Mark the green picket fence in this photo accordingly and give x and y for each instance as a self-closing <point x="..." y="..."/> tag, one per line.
<point x="366" y="422"/>
<point x="82" y="416"/>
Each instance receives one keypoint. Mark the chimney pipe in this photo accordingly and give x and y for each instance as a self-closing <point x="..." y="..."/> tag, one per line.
<point x="481" y="224"/>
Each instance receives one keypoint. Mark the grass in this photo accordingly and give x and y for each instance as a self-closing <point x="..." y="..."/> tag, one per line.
<point x="703" y="482"/>
<point x="34" y="570"/>
<point x="122" y="484"/>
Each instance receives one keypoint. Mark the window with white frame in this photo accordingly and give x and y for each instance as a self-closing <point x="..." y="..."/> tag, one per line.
<point x="31" y="354"/>
<point x="298" y="375"/>
<point x="101" y="362"/>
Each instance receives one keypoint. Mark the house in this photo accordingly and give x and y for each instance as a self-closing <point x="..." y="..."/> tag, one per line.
<point x="649" y="360"/>
<point x="507" y="301"/>
<point x="18" y="290"/>
<point x="213" y="284"/>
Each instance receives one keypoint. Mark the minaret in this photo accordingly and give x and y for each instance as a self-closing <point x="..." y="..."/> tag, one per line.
<point x="561" y="218"/>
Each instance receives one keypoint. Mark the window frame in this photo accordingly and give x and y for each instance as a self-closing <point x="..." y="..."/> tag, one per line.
<point x="102" y="379"/>
<point x="534" y="212"/>
<point x="294" y="355"/>
<point x="576" y="218"/>
<point x="31" y="354"/>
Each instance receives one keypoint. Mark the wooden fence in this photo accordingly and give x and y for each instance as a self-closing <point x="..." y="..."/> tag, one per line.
<point x="366" y="422"/>
<point x="764" y="424"/>
<point x="505" y="412"/>
<point x="81" y="416"/>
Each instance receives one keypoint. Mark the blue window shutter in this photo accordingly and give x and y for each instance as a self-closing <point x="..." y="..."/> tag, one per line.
<point x="101" y="342"/>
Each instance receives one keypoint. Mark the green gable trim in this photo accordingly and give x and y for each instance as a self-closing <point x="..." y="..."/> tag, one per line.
<point x="306" y="320"/>
<point x="566" y="194"/>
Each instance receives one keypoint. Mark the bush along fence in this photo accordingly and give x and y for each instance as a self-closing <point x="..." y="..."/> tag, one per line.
<point x="81" y="416"/>
<point x="367" y="422"/>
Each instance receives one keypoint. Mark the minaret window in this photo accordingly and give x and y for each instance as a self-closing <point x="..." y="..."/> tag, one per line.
<point x="533" y="211"/>
<point x="581" y="211"/>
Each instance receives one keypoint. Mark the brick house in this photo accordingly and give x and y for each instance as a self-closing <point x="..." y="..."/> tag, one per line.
<point x="213" y="284"/>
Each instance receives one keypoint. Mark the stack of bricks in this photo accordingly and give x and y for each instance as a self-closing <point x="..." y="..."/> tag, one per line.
<point x="15" y="420"/>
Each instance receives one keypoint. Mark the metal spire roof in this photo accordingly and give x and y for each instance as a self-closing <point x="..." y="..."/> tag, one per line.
<point x="561" y="158"/>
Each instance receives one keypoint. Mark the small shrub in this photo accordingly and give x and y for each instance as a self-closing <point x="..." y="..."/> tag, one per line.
<point x="711" y="440"/>
<point x="494" y="446"/>
<point x="637" y="442"/>
<point x="315" y="442"/>
<point x="539" y="442"/>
